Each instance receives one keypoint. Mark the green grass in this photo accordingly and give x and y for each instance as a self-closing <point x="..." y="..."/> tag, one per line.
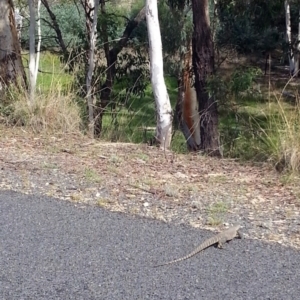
<point x="51" y="73"/>
<point x="263" y="131"/>
<point x="91" y="175"/>
<point x="138" y="114"/>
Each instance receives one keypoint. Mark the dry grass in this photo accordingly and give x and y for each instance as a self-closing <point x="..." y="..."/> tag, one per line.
<point x="288" y="151"/>
<point x="51" y="112"/>
<point x="282" y="135"/>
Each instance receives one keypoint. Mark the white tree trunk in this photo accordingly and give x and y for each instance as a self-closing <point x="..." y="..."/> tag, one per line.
<point x="93" y="38"/>
<point x="216" y="19"/>
<point x="163" y="105"/>
<point x="38" y="49"/>
<point x="289" y="35"/>
<point x="32" y="68"/>
<point x="11" y="66"/>
<point x="297" y="55"/>
<point x="19" y="22"/>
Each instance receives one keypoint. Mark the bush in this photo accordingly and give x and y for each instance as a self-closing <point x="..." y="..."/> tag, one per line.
<point x="250" y="28"/>
<point x="71" y="22"/>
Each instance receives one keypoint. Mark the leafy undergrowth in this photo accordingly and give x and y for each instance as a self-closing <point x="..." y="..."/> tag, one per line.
<point x="262" y="125"/>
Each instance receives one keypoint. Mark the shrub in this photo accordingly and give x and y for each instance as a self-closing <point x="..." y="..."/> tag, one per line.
<point x="53" y="112"/>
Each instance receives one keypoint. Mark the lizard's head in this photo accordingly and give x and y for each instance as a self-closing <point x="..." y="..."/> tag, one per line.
<point x="237" y="227"/>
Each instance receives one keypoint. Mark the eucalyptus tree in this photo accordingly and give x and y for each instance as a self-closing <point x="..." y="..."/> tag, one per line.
<point x="292" y="38"/>
<point x="203" y="69"/>
<point x="176" y="26"/>
<point x="34" y="57"/>
<point x="11" y="65"/>
<point x="203" y="65"/>
<point x="91" y="24"/>
<point x="163" y="106"/>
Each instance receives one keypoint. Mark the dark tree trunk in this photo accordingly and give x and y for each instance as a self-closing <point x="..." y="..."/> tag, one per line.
<point x="56" y="28"/>
<point x="179" y="121"/>
<point x="203" y="64"/>
<point x="183" y="85"/>
<point x="111" y="59"/>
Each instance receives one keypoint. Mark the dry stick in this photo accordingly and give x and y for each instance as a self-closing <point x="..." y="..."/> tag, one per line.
<point x="143" y="189"/>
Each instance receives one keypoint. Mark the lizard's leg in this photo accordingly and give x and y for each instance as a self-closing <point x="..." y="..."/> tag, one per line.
<point x="239" y="235"/>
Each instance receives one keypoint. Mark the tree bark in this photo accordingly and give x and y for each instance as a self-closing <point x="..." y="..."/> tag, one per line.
<point x="289" y="36"/>
<point x="297" y="55"/>
<point x="184" y="110"/>
<point x="92" y="31"/>
<point x="179" y="121"/>
<point x="39" y="30"/>
<point x="11" y="65"/>
<point x="32" y="61"/>
<point x="203" y="64"/>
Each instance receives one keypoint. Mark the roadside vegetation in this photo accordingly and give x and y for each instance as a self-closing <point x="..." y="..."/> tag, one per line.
<point x="258" y="113"/>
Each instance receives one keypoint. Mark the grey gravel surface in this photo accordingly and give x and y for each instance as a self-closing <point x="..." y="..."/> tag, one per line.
<point x="51" y="249"/>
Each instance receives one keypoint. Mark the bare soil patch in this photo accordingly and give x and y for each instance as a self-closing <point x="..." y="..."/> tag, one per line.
<point x="186" y="189"/>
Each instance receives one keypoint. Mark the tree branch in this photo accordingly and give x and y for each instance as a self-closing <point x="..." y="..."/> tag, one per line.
<point x="56" y="27"/>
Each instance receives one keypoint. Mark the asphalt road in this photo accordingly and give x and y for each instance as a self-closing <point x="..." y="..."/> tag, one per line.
<point x="51" y="249"/>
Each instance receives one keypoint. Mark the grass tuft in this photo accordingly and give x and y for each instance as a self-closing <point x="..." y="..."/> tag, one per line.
<point x="282" y="137"/>
<point x="50" y="112"/>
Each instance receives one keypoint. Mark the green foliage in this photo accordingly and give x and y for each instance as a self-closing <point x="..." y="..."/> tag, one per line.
<point x="115" y="21"/>
<point x="176" y="32"/>
<point x="132" y="66"/>
<point x="264" y="132"/>
<point x="130" y="63"/>
<point x="250" y="28"/>
<point x="133" y="122"/>
<point x="242" y="79"/>
<point x="241" y="133"/>
<point x="71" y="21"/>
<point x="178" y="4"/>
<point x="139" y="35"/>
<point x="240" y="130"/>
<point x="133" y="75"/>
<point x="176" y="28"/>
<point x="239" y="85"/>
<point x="281" y="137"/>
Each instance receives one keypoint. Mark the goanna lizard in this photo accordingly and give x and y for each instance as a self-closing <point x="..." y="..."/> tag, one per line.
<point x="220" y="239"/>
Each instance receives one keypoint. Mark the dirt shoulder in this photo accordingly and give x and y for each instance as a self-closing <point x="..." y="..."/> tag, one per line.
<point x="187" y="189"/>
